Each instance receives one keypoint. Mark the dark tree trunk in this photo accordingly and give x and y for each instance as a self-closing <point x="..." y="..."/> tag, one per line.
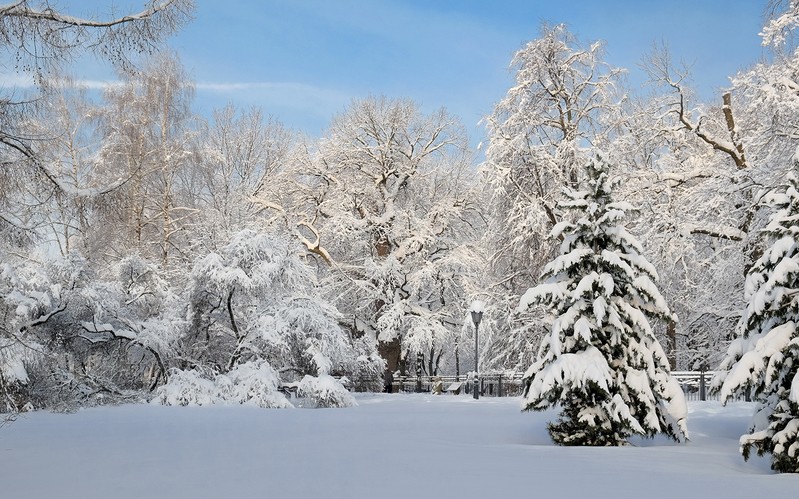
<point x="390" y="351"/>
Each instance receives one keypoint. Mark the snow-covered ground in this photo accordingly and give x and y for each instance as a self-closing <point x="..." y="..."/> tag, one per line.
<point x="390" y="446"/>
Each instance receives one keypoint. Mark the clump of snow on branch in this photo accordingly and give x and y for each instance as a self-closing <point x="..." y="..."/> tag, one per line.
<point x="776" y="30"/>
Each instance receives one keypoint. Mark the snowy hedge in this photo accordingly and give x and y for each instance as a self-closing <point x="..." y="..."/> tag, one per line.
<point x="252" y="383"/>
<point x="325" y="391"/>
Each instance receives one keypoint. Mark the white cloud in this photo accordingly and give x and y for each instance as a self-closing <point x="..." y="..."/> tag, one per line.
<point x="320" y="100"/>
<point x="300" y="104"/>
<point x="18" y="81"/>
<point x="10" y="81"/>
<point x="97" y="84"/>
<point x="286" y="88"/>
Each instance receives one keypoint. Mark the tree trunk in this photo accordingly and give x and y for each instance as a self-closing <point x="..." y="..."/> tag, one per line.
<point x="457" y="362"/>
<point x="390" y="351"/>
<point x="671" y="344"/>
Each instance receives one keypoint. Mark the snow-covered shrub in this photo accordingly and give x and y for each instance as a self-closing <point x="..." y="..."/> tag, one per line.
<point x="325" y="391"/>
<point x="81" y="339"/>
<point x="29" y="299"/>
<point x="251" y="383"/>
<point x="187" y="388"/>
<point x="140" y="309"/>
<point x="256" y="299"/>
<point x="366" y="372"/>
<point x="14" y="380"/>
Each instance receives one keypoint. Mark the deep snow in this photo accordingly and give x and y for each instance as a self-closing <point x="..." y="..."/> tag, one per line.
<point x="390" y="446"/>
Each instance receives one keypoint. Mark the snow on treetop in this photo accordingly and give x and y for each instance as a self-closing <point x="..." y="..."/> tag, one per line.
<point x="477" y="306"/>
<point x="612" y="216"/>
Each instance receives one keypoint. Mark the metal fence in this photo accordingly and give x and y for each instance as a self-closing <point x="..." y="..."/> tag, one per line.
<point x="695" y="384"/>
<point x="491" y="384"/>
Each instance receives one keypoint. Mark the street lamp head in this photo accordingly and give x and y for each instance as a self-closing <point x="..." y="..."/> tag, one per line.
<point x="476" y="310"/>
<point x="476" y="317"/>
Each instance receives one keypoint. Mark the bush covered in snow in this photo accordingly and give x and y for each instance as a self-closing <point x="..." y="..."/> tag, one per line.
<point x="187" y="388"/>
<point x="325" y="391"/>
<point x="252" y="383"/>
<point x="256" y="299"/>
<point x="73" y="337"/>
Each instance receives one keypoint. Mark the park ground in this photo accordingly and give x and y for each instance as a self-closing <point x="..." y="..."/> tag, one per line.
<point x="389" y="446"/>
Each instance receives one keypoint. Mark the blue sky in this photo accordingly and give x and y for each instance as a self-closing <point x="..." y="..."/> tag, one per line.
<point x="303" y="61"/>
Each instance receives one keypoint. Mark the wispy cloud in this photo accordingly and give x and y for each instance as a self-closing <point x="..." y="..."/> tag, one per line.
<point x="281" y="88"/>
<point x="301" y="104"/>
<point x="97" y="84"/>
<point x="10" y="81"/>
<point x="281" y="92"/>
<point x="286" y="95"/>
<point x="25" y="82"/>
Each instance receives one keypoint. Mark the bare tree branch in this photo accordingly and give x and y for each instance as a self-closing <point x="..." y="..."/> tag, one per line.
<point x="41" y="37"/>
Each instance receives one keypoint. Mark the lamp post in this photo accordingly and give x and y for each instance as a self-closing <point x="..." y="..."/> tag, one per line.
<point x="477" y="316"/>
<point x="419" y="372"/>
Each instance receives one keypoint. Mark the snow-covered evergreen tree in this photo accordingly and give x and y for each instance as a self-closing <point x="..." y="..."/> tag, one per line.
<point x="763" y="362"/>
<point x="601" y="362"/>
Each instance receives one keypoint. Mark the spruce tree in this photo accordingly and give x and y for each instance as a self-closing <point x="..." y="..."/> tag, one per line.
<point x="601" y="363"/>
<point x="763" y="362"/>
